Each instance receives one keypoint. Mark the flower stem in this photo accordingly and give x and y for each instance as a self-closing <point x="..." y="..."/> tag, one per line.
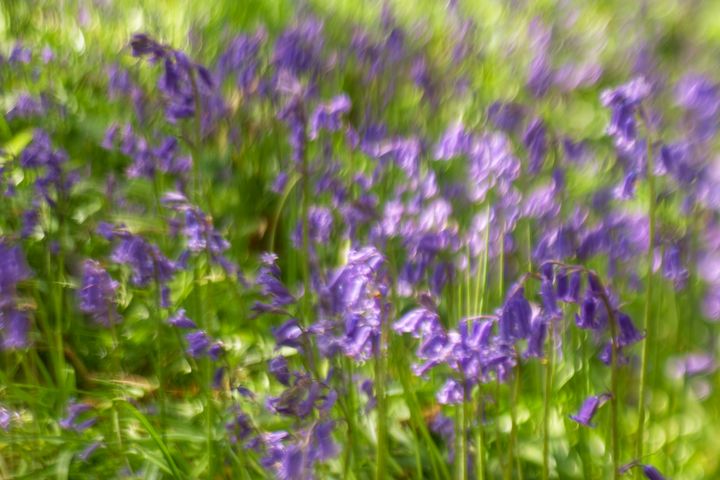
<point x="380" y="379"/>
<point x="614" y="350"/>
<point x="480" y="437"/>
<point x="546" y="409"/>
<point x="648" y="304"/>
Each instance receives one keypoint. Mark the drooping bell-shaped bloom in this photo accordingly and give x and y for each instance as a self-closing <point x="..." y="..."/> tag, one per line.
<point x="181" y="320"/>
<point x="515" y="317"/>
<point x="278" y="366"/>
<point x="538" y="334"/>
<point x="451" y="393"/>
<point x="268" y="279"/>
<point x="628" y="333"/>
<point x="75" y="419"/>
<point x="623" y="102"/>
<point x="589" y="408"/>
<point x="198" y="343"/>
<point x="97" y="294"/>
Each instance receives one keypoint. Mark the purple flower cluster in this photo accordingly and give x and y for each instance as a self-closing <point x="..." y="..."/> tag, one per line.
<point x="14" y="321"/>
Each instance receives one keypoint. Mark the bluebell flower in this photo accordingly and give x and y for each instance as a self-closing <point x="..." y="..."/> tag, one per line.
<point x="86" y="452"/>
<point x="74" y="412"/>
<point x="97" y="294"/>
<point x="288" y="334"/>
<point x="327" y="116"/>
<point x="623" y="102"/>
<point x="278" y="366"/>
<point x="589" y="408"/>
<point x="451" y="393"/>
<point x="198" y="343"/>
<point x="538" y="334"/>
<point x="515" y="316"/>
<point x="146" y="260"/>
<point x="627" y="334"/>
<point x="535" y="140"/>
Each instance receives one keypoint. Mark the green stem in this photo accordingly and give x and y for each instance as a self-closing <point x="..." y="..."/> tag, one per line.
<point x="613" y="385"/>
<point x="546" y="408"/>
<point x="480" y="436"/>
<point x="380" y="379"/>
<point x="513" y="420"/>
<point x="649" y="330"/>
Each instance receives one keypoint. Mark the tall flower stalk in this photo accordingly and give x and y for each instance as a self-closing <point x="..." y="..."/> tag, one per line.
<point x="647" y="327"/>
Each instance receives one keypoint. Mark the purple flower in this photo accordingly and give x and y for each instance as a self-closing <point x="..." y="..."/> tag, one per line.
<point x="181" y="320"/>
<point x="74" y="411"/>
<point x="6" y="418"/>
<point x="507" y="117"/>
<point x="85" y="454"/>
<point x="326" y="116"/>
<point x="419" y="322"/>
<point x="451" y="393"/>
<point x="588" y="314"/>
<point x="14" y="327"/>
<point x="278" y="366"/>
<point x="320" y="225"/>
<point x="13" y="269"/>
<point x="623" y="102"/>
<point x="628" y="334"/>
<point x="515" y="317"/>
<point x="691" y="364"/>
<point x="25" y="106"/>
<point x="97" y="294"/>
<point x="298" y="49"/>
<point x="322" y="445"/>
<point x="268" y="279"/>
<point x="198" y="343"/>
<point x="652" y="473"/>
<point x="142" y="45"/>
<point x="145" y="259"/>
<point x="538" y="333"/>
<point x="240" y="427"/>
<point x="673" y="268"/>
<point x="288" y="334"/>
<point x="536" y="142"/>
<point x="454" y="142"/>
<point x="589" y="408"/>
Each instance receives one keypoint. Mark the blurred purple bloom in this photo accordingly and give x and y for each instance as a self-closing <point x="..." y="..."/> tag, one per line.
<point x="198" y="343"/>
<point x="691" y="365"/>
<point x="536" y="143"/>
<point x="538" y="334"/>
<point x="589" y="408"/>
<point x="628" y="334"/>
<point x="515" y="317"/>
<point x="74" y="411"/>
<point x="506" y="116"/>
<point x="451" y="393"/>
<point x="145" y="259"/>
<point x="85" y="454"/>
<point x="97" y="294"/>
<point x="268" y="279"/>
<point x="454" y="142"/>
<point x="326" y="116"/>
<point x="181" y="320"/>
<point x="419" y="322"/>
<point x="288" y="334"/>
<point x="652" y="473"/>
<point x="623" y="102"/>
<point x="278" y="366"/>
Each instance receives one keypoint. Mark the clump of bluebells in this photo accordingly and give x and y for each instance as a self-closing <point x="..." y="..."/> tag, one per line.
<point x="326" y="250"/>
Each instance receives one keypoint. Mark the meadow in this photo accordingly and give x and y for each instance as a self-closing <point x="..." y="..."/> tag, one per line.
<point x="329" y="239"/>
